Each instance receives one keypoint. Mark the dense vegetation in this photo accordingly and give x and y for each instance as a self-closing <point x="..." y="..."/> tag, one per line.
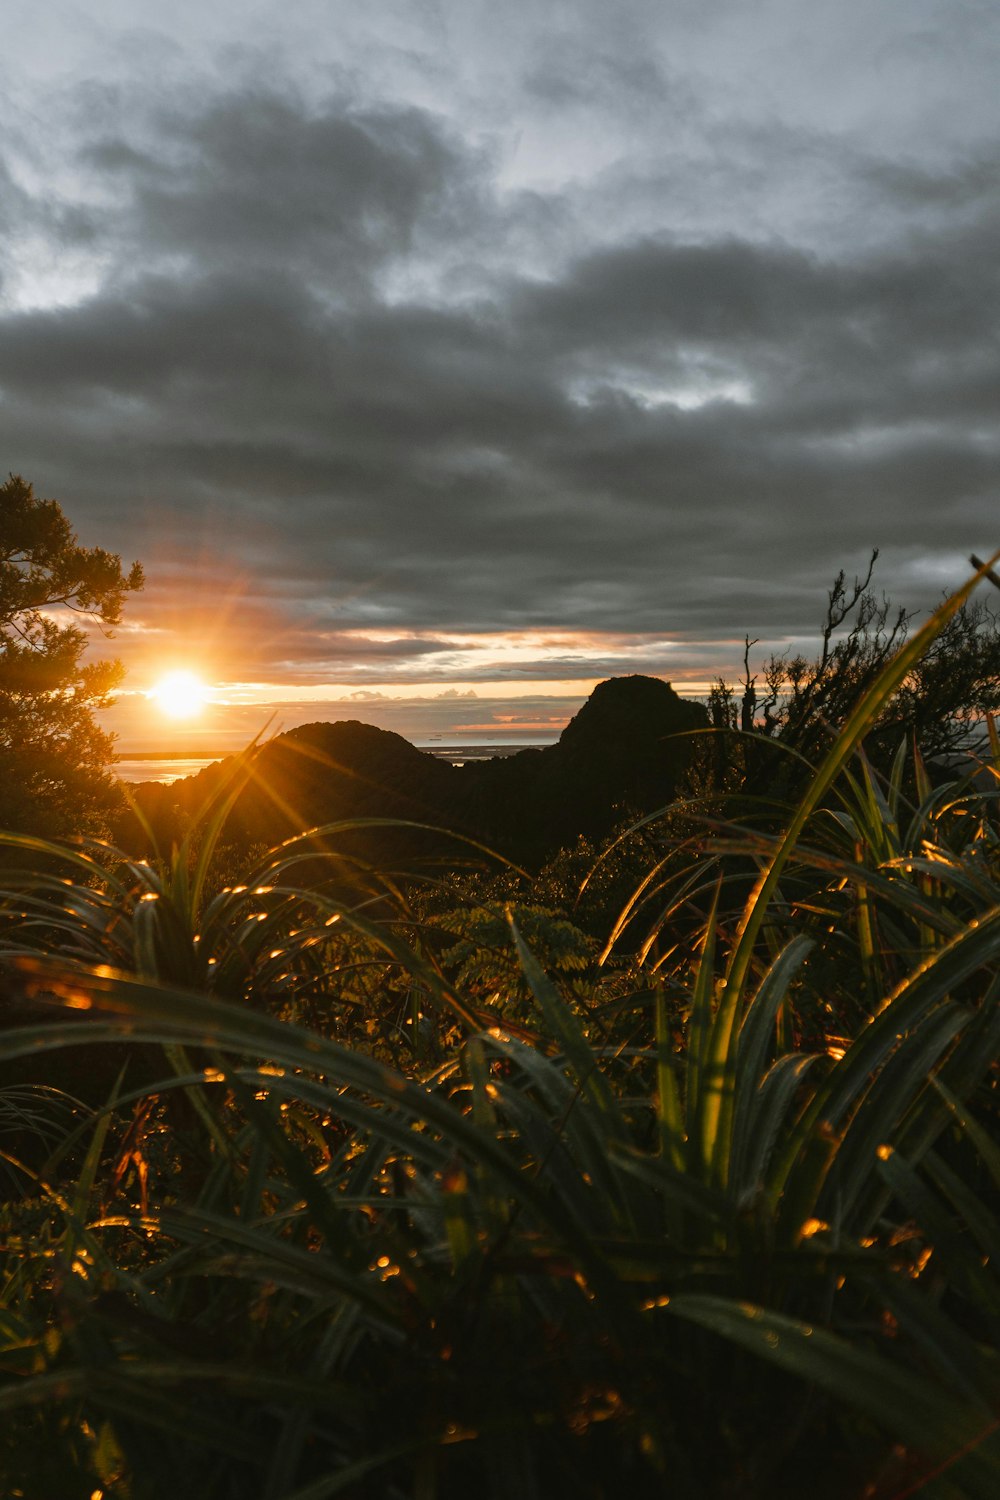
<point x="54" y="758"/>
<point x="669" y="1168"/>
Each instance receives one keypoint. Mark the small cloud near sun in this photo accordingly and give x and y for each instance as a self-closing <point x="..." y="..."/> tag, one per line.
<point x="179" y="695"/>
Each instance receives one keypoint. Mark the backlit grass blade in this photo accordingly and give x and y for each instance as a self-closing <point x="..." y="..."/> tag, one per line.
<point x="978" y="1220"/>
<point x="901" y="1013"/>
<point x="128" y="1394"/>
<point x="346" y="1477"/>
<point x="984" y="1143"/>
<point x="564" y="1026"/>
<point x="699" y="1042"/>
<point x="766" y="1113"/>
<point x="955" y="1249"/>
<point x="165" y="1015"/>
<point x="668" y="1102"/>
<point x="858" y="722"/>
<point x="894" y="1091"/>
<point x="919" y="1412"/>
<point x="756" y="1036"/>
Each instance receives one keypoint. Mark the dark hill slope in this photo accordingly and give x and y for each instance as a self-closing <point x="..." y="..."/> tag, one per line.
<point x="316" y="774"/>
<point x="623" y="750"/>
<point x="619" y="752"/>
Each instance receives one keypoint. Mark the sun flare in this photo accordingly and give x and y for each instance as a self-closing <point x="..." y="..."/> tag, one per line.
<point x="179" y="695"/>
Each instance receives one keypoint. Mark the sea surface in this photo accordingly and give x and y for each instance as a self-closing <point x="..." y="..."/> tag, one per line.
<point x="168" y="768"/>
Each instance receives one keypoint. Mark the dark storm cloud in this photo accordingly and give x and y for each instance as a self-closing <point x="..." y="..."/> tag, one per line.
<point x="315" y="360"/>
<point x="570" y="71"/>
<point x="258" y="180"/>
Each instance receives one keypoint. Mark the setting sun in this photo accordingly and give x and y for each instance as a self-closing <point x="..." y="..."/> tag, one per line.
<point x="180" y="695"/>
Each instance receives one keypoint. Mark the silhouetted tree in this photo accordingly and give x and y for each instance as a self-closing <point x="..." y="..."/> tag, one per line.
<point x="54" y="759"/>
<point x="942" y="702"/>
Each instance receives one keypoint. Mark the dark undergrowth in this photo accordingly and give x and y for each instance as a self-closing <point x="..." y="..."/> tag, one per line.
<point x="332" y="1182"/>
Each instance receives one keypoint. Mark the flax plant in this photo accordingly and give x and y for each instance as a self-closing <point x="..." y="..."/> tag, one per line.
<point x="554" y="1263"/>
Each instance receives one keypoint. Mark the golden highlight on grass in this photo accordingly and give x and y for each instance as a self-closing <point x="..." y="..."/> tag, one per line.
<point x="396" y="1195"/>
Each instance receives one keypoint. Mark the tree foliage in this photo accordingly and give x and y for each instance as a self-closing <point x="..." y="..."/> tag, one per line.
<point x="800" y="704"/>
<point x="53" y="755"/>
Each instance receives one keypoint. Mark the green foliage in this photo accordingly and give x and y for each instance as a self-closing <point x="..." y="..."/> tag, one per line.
<point x="941" y="700"/>
<point x="307" y="932"/>
<point x="53" y="757"/>
<point x="664" y="1235"/>
<point x="483" y="961"/>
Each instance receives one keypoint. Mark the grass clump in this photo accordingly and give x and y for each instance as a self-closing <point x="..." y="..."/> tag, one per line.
<point x="709" y="1208"/>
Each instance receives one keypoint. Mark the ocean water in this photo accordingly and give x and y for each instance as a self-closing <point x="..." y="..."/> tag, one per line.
<point x="165" y="768"/>
<point x="169" y="768"/>
<point x="461" y="755"/>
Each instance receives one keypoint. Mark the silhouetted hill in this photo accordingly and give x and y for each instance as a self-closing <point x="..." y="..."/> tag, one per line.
<point x="315" y="774"/>
<point x="620" y="752"/>
<point x="617" y="753"/>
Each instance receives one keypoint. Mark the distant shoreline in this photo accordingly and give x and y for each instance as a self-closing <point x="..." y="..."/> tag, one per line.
<point x="173" y="754"/>
<point x="168" y="766"/>
<point x="442" y="747"/>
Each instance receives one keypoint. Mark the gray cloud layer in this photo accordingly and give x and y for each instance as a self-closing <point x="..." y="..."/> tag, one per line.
<point x="335" y="351"/>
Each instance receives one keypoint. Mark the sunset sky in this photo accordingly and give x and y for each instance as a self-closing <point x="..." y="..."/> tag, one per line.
<point x="440" y="359"/>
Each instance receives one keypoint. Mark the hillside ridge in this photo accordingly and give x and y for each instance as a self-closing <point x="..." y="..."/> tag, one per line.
<point x="624" y="750"/>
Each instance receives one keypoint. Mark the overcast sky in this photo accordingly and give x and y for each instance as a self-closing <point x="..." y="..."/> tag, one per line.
<point x="420" y="347"/>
